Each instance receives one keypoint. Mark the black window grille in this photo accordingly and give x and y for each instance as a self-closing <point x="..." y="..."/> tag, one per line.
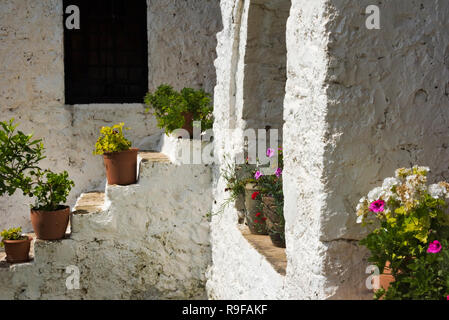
<point x="106" y="60"/>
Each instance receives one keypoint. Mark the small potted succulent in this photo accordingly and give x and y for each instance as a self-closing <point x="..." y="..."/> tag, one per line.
<point x="17" y="245"/>
<point x="408" y="236"/>
<point x="177" y="110"/>
<point x="120" y="159"/>
<point x="19" y="158"/>
<point x="272" y="198"/>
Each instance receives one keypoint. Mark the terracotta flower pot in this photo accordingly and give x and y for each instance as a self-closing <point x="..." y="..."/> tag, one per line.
<point x="275" y="229"/>
<point x="188" y="123"/>
<point x="255" y="223"/>
<point x="50" y="225"/>
<point x="17" y="251"/>
<point x="385" y="279"/>
<point x="240" y="207"/>
<point x="121" y="167"/>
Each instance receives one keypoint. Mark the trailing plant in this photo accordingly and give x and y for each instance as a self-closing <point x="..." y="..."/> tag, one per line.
<point x="19" y="153"/>
<point x="112" y="140"/>
<point x="11" y="234"/>
<point x="236" y="178"/>
<point x="411" y="232"/>
<point x="170" y="106"/>
<point x="271" y="186"/>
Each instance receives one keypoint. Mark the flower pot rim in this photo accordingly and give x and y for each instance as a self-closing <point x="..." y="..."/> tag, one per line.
<point x="251" y="186"/>
<point x="123" y="151"/>
<point x="28" y="239"/>
<point x="61" y="208"/>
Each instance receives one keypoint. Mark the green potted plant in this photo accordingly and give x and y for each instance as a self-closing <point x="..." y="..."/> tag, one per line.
<point x="119" y="158"/>
<point x="237" y="177"/>
<point x="408" y="235"/>
<point x="177" y="110"/>
<point x="19" y="158"/>
<point x="49" y="216"/>
<point x="17" y="245"/>
<point x="272" y="197"/>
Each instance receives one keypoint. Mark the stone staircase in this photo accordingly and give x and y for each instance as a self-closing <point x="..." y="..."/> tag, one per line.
<point x="149" y="240"/>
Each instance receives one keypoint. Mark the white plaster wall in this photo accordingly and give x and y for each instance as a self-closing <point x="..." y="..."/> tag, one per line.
<point x="238" y="271"/>
<point x="181" y="52"/>
<point x="151" y="241"/>
<point x="265" y="64"/>
<point x="359" y="104"/>
<point x="182" y="42"/>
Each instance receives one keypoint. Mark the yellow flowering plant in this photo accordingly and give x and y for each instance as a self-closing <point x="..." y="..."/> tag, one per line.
<point x="112" y="140"/>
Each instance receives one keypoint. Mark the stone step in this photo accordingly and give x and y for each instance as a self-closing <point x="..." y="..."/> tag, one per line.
<point x="89" y="202"/>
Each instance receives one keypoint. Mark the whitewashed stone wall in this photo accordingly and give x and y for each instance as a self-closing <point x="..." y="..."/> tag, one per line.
<point x="359" y="103"/>
<point x="149" y="240"/>
<point x="181" y="52"/>
<point x="252" y="277"/>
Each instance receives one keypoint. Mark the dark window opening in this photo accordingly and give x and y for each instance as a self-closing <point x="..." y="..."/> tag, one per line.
<point x="106" y="60"/>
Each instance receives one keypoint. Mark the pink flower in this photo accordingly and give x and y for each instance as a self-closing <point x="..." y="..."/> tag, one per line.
<point x="278" y="172"/>
<point x="447" y="297"/>
<point x="270" y="152"/>
<point x="258" y="175"/>
<point x="377" y="206"/>
<point x="434" y="247"/>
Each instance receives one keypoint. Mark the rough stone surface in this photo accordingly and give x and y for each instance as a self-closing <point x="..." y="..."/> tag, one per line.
<point x="181" y="51"/>
<point x="252" y="275"/>
<point x="359" y="103"/>
<point x="144" y="241"/>
<point x="182" y="42"/>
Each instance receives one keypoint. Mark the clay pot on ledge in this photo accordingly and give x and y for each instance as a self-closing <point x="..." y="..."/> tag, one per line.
<point x="121" y="167"/>
<point x="17" y="251"/>
<point x="188" y="123"/>
<point x="240" y="207"/>
<point x="386" y="278"/>
<point x="275" y="229"/>
<point x="252" y="209"/>
<point x="50" y="225"/>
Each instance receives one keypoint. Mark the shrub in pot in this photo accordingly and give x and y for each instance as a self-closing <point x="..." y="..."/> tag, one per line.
<point x="120" y="160"/>
<point x="273" y="199"/>
<point x="409" y="233"/>
<point x="177" y="110"/>
<point x="49" y="215"/>
<point x="17" y="245"/>
<point x="19" y="157"/>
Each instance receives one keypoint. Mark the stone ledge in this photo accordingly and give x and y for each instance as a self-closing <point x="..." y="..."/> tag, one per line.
<point x="153" y="157"/>
<point x="274" y="255"/>
<point x="90" y="202"/>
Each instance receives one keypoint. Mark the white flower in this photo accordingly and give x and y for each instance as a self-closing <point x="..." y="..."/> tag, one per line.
<point x="437" y="191"/>
<point x="361" y="204"/>
<point x="360" y="219"/>
<point x="390" y="183"/>
<point x="375" y="194"/>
